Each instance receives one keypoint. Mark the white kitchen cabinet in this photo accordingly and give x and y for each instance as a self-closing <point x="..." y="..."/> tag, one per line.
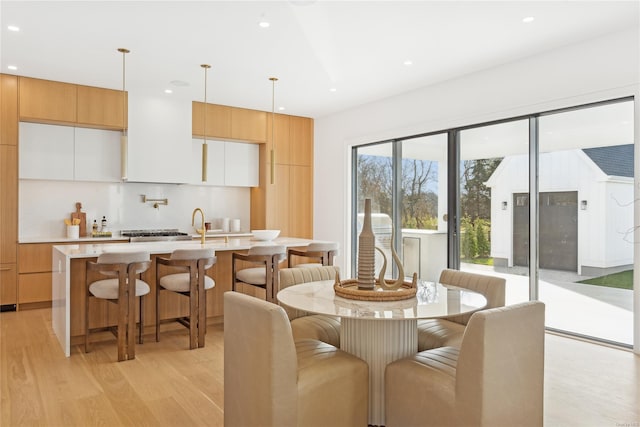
<point x="242" y="164"/>
<point x="232" y="164"/>
<point x="46" y="152"/>
<point x="52" y="152"/>
<point x="159" y="134"/>
<point x="215" y="162"/>
<point x="97" y="155"/>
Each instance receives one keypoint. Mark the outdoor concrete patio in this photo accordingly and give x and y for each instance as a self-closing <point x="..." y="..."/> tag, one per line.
<point x="596" y="311"/>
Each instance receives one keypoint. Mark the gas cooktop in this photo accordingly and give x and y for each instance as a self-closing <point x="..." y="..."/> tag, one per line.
<point x="155" y="235"/>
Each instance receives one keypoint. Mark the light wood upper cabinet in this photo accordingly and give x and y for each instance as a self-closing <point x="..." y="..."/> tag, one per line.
<point x="9" y="105"/>
<point x="46" y="101"/>
<point x="248" y="125"/>
<point x="301" y="141"/>
<point x="281" y="135"/>
<point x="102" y="108"/>
<point x="8" y="203"/>
<point x="218" y="120"/>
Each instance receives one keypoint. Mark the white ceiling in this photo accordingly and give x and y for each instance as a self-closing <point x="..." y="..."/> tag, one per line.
<point x="356" y="47"/>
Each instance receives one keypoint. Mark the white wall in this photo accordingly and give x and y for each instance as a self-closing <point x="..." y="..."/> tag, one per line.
<point x="43" y="205"/>
<point x="599" y="69"/>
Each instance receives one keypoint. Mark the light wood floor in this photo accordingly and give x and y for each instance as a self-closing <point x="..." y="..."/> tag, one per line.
<point x="169" y="385"/>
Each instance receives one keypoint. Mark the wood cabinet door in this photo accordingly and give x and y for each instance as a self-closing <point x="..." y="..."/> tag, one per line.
<point x="301" y="202"/>
<point x="8" y="284"/>
<point x="47" y="101"/>
<point x="35" y="258"/>
<point x="281" y="136"/>
<point x="218" y="120"/>
<point x="34" y="287"/>
<point x="277" y="202"/>
<point x="8" y="203"/>
<point x="103" y="108"/>
<point x="301" y="140"/>
<point x="248" y="125"/>
<point x="9" y="110"/>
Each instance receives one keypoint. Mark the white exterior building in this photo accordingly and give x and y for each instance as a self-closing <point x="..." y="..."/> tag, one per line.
<point x="586" y="210"/>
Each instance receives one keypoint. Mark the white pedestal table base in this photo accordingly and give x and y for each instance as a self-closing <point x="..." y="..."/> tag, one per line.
<point x="378" y="342"/>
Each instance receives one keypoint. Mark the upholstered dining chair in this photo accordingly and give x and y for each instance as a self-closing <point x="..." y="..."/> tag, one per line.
<point x="319" y="253"/>
<point x="304" y="325"/>
<point x="192" y="282"/>
<point x="495" y="378"/>
<point x="272" y="380"/>
<point x="120" y="286"/>
<point x="448" y="331"/>
<point x="265" y="276"/>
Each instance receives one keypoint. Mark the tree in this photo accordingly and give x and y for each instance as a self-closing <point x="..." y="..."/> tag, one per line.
<point x="375" y="182"/>
<point x="419" y="202"/>
<point x="475" y="196"/>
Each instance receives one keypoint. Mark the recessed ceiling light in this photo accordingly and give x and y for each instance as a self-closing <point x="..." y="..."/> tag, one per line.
<point x="168" y="91"/>
<point x="408" y="62"/>
<point x="13" y="28"/>
<point x="333" y="89"/>
<point x="528" y="19"/>
<point x="281" y="108"/>
<point x="12" y="67"/>
<point x="264" y="24"/>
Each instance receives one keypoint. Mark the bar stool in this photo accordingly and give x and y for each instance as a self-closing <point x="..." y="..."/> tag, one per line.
<point x="193" y="283"/>
<point x="122" y="287"/>
<point x="266" y="276"/>
<point x="324" y="252"/>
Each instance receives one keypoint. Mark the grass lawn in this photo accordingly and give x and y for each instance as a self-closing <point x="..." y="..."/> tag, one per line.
<point x="478" y="260"/>
<point x="622" y="280"/>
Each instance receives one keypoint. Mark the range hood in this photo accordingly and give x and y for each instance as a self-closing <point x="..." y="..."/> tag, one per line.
<point x="159" y="148"/>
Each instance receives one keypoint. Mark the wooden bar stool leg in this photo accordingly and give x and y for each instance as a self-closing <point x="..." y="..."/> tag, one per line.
<point x="122" y="328"/>
<point x="193" y="311"/>
<point x="86" y="322"/>
<point x="141" y="331"/>
<point x="131" y="318"/>
<point x="202" y="313"/>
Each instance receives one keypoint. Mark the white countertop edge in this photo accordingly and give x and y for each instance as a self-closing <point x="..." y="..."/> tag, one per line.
<point x="88" y="250"/>
<point x="65" y="240"/>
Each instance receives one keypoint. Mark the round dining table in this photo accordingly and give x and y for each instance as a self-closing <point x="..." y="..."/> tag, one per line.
<point x="381" y="332"/>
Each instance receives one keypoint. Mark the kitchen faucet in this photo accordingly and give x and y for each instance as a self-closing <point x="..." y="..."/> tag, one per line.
<point x="201" y="231"/>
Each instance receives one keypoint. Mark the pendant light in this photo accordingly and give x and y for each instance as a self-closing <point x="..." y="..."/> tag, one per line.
<point x="272" y="159"/>
<point x="204" y="126"/>
<point x="124" y="140"/>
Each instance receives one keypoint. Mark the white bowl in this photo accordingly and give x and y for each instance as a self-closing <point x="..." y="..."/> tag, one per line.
<point x="265" y="235"/>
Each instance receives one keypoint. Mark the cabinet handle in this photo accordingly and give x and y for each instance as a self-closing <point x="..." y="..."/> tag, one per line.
<point x="5" y="268"/>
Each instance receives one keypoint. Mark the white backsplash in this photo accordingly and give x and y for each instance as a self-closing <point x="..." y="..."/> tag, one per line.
<point x="43" y="206"/>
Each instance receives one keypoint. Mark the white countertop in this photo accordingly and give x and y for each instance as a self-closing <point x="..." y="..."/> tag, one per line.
<point x="89" y="250"/>
<point x="67" y="240"/>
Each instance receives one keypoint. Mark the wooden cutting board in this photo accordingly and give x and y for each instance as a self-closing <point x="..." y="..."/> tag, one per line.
<point x="82" y="216"/>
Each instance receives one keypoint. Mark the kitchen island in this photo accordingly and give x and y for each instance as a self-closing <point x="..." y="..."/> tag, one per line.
<point x="69" y="279"/>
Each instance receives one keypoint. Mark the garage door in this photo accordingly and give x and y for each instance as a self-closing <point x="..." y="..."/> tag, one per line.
<point x="558" y="229"/>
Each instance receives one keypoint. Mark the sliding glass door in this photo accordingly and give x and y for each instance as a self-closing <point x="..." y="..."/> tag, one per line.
<point x="494" y="201"/>
<point x="585" y="226"/>
<point x="546" y="201"/>
<point x="374" y="180"/>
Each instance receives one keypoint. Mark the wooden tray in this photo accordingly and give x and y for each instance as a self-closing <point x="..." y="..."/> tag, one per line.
<point x="349" y="289"/>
